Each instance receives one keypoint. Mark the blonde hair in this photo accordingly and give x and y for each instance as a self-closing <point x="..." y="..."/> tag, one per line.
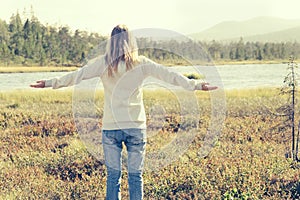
<point x="121" y="47"/>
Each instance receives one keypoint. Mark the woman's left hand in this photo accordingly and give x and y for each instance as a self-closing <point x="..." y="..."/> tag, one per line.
<point x="38" y="84"/>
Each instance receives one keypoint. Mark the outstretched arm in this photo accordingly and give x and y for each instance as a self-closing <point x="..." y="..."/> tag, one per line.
<point x="151" y="68"/>
<point x="91" y="70"/>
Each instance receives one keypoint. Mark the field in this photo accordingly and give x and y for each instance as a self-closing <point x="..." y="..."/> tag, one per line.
<point x="42" y="156"/>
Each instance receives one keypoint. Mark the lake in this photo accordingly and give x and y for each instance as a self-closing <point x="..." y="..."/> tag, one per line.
<point x="231" y="76"/>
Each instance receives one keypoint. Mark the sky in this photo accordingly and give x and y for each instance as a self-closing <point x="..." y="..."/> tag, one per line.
<point x="182" y="16"/>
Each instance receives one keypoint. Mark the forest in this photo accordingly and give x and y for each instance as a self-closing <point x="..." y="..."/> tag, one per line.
<point x="28" y="42"/>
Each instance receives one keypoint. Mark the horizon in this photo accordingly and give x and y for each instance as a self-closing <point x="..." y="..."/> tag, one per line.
<point x="180" y="16"/>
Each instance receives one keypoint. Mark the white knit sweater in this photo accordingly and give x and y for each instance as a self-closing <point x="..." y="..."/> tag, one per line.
<point x="123" y="103"/>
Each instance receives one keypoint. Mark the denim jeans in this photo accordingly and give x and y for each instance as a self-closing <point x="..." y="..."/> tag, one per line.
<point x="135" y="142"/>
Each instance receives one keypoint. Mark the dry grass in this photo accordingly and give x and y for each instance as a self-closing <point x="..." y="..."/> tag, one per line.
<point x="42" y="156"/>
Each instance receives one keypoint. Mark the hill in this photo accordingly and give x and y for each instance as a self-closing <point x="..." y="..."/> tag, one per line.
<point x="258" y="27"/>
<point x="288" y="35"/>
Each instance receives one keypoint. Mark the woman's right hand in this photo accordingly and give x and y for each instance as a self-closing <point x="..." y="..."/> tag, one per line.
<point x="38" y="84"/>
<point x="207" y="87"/>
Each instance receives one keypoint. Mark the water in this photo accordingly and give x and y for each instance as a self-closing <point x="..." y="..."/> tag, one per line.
<point x="231" y="76"/>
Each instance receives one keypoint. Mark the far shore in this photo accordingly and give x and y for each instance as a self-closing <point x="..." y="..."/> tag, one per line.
<point x="26" y="69"/>
<point x="229" y="62"/>
<point x="32" y="69"/>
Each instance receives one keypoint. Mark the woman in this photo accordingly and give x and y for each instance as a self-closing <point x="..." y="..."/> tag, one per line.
<point x="122" y="72"/>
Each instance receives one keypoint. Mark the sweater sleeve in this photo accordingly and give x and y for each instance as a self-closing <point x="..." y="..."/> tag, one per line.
<point x="150" y="68"/>
<point x="93" y="69"/>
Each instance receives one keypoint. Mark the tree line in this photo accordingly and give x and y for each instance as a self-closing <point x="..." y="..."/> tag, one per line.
<point x="222" y="51"/>
<point x="29" y="42"/>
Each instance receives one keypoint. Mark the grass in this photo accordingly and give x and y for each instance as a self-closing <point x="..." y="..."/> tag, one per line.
<point x="42" y="156"/>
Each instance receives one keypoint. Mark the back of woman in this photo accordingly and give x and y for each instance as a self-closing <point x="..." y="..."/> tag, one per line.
<point x="122" y="72"/>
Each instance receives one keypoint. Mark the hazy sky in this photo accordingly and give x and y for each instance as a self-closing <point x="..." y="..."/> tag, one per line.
<point x="184" y="16"/>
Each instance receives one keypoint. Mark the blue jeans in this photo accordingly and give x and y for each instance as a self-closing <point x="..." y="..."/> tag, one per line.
<point x="135" y="142"/>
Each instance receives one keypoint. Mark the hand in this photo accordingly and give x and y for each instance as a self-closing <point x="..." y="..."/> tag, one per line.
<point x="207" y="87"/>
<point x="38" y="84"/>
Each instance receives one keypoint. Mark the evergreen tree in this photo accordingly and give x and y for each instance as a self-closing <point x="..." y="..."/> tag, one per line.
<point x="16" y="37"/>
<point x="4" y="41"/>
<point x="240" y="50"/>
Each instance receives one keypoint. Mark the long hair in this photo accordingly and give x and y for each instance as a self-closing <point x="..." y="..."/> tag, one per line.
<point x="121" y="47"/>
